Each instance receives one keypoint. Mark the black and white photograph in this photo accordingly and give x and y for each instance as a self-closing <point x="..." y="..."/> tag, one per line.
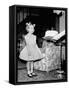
<point x="38" y="44"/>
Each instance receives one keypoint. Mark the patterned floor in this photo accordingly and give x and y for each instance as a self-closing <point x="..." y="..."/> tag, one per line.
<point x="41" y="75"/>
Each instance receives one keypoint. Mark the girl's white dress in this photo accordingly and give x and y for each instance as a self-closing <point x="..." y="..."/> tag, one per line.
<point x="30" y="52"/>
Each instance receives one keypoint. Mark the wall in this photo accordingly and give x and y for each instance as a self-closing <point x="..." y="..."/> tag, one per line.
<point x="61" y="28"/>
<point x="62" y="23"/>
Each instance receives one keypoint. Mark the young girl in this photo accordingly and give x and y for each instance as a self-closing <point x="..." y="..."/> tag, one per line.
<point x="30" y="52"/>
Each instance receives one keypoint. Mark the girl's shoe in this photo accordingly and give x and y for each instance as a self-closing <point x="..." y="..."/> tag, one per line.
<point x="29" y="75"/>
<point x="33" y="74"/>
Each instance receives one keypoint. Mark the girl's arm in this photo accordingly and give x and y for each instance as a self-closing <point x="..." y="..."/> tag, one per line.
<point x="22" y="44"/>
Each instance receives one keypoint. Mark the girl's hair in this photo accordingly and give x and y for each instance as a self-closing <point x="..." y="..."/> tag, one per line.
<point x="28" y="19"/>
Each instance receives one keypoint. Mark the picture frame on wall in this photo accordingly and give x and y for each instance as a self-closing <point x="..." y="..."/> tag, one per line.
<point x="37" y="44"/>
